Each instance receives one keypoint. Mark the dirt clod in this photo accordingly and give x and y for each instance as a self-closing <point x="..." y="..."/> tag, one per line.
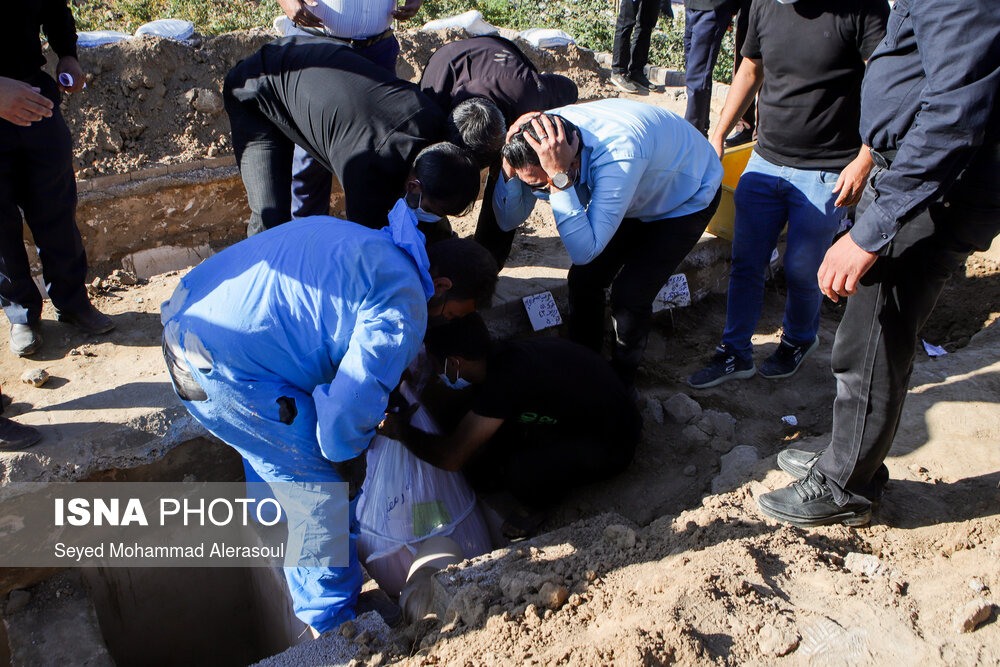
<point x="682" y="409"/>
<point x="971" y="615"/>
<point x="35" y="377"/>
<point x="348" y="629"/>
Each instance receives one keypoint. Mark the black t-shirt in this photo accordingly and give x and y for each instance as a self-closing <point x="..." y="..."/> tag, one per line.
<point x="358" y="120"/>
<point x="21" y="49"/>
<point x="490" y="67"/>
<point x="813" y="54"/>
<point x="555" y="384"/>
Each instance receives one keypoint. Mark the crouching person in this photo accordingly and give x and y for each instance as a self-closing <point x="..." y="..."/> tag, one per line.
<point x="286" y="346"/>
<point x="548" y="415"/>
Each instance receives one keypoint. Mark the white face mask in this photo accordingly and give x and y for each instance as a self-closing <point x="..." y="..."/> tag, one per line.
<point x="459" y="383"/>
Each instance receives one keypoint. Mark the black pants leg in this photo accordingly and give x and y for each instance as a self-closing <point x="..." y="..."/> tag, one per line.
<point x="36" y="176"/>
<point x="488" y="232"/>
<point x="876" y="341"/>
<point x="539" y="469"/>
<point x="637" y="263"/>
<point x="703" y="33"/>
<point x="264" y="157"/>
<point x="630" y="49"/>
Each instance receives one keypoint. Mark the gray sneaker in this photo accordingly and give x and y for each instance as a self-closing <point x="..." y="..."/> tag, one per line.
<point x="24" y="339"/>
<point x="797" y="462"/>
<point x="624" y="83"/>
<point x="786" y="359"/>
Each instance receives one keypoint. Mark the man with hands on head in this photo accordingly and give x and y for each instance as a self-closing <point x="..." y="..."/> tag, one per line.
<point x="36" y="177"/>
<point x="929" y="112"/>
<point x="366" y="27"/>
<point x="808" y="164"/>
<point x="632" y="188"/>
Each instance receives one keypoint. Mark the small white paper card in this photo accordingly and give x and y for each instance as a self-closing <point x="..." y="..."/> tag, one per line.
<point x="774" y="256"/>
<point x="674" y="294"/>
<point x="790" y="420"/>
<point x="933" y="350"/>
<point x="542" y="311"/>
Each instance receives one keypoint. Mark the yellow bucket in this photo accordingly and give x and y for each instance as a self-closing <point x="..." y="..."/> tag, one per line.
<point x="734" y="161"/>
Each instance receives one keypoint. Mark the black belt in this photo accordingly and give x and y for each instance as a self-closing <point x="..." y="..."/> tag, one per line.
<point x="882" y="158"/>
<point x="353" y="43"/>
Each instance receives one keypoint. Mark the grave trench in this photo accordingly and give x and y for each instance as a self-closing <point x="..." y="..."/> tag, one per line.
<point x="187" y="615"/>
<point x="238" y="616"/>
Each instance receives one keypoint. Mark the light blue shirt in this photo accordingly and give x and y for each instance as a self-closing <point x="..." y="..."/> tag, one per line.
<point x="355" y="19"/>
<point x="638" y="161"/>
<point x="327" y="306"/>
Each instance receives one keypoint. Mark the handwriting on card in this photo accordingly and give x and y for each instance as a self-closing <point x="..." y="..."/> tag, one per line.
<point x="675" y="294"/>
<point x="542" y="311"/>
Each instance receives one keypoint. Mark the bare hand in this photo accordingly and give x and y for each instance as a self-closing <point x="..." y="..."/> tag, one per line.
<point x="395" y="424"/>
<point x="555" y="152"/>
<point x="21" y="104"/>
<point x="851" y="183"/>
<point x="70" y="65"/>
<point x="844" y="265"/>
<point x="718" y="143"/>
<point x="407" y="10"/>
<point x="298" y="12"/>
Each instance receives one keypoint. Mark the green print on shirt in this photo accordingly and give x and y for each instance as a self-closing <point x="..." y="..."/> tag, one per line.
<point x="534" y="418"/>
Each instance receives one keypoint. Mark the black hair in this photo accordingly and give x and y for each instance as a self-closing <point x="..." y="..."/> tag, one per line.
<point x="465" y="337"/>
<point x="477" y="125"/>
<point x="470" y="267"/>
<point x="520" y="154"/>
<point x="449" y="175"/>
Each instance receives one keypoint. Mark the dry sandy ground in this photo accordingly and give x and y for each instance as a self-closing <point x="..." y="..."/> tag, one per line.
<point x="666" y="571"/>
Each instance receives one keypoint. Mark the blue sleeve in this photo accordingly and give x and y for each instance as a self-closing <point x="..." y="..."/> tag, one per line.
<point x="512" y="202"/>
<point x="587" y="229"/>
<point x="386" y="338"/>
<point x="960" y="54"/>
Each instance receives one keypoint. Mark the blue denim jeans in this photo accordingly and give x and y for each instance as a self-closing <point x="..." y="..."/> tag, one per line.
<point x="768" y="196"/>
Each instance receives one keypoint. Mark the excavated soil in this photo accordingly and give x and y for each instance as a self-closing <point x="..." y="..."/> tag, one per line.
<point x="152" y="101"/>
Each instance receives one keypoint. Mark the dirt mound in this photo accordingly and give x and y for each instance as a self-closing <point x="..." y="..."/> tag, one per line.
<point x="152" y="101"/>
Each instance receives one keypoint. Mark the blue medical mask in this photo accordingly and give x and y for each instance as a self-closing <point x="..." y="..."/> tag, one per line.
<point x="422" y="215"/>
<point x="459" y="383"/>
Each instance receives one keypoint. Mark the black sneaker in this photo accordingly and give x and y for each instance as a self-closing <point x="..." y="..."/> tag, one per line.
<point x="723" y="366"/>
<point x="14" y="436"/>
<point x="797" y="462"/>
<point x="786" y="359"/>
<point x="643" y="82"/>
<point x="624" y="83"/>
<point x="809" y="502"/>
<point x="739" y="137"/>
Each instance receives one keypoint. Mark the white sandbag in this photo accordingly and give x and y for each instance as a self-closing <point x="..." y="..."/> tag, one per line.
<point x="472" y="21"/>
<point x="170" y="28"/>
<point x="100" y="37"/>
<point x="405" y="501"/>
<point x="546" y="38"/>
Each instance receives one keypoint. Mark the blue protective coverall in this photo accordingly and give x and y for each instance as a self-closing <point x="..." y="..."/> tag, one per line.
<point x="321" y="311"/>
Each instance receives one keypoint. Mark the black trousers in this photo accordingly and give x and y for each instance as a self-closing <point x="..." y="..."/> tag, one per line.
<point x="488" y="232"/>
<point x="36" y="178"/>
<point x="630" y="50"/>
<point x="636" y="264"/>
<point x="703" y="33"/>
<point x="264" y="157"/>
<point x="540" y="468"/>
<point x="876" y="341"/>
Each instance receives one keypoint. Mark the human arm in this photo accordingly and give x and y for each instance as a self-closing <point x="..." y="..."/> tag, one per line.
<point x="386" y="337"/>
<point x="22" y="104"/>
<point x="851" y="182"/>
<point x="512" y="200"/>
<point x="407" y="10"/>
<point x="748" y="80"/>
<point x="452" y="451"/>
<point x="960" y="58"/>
<point x="298" y="12"/>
